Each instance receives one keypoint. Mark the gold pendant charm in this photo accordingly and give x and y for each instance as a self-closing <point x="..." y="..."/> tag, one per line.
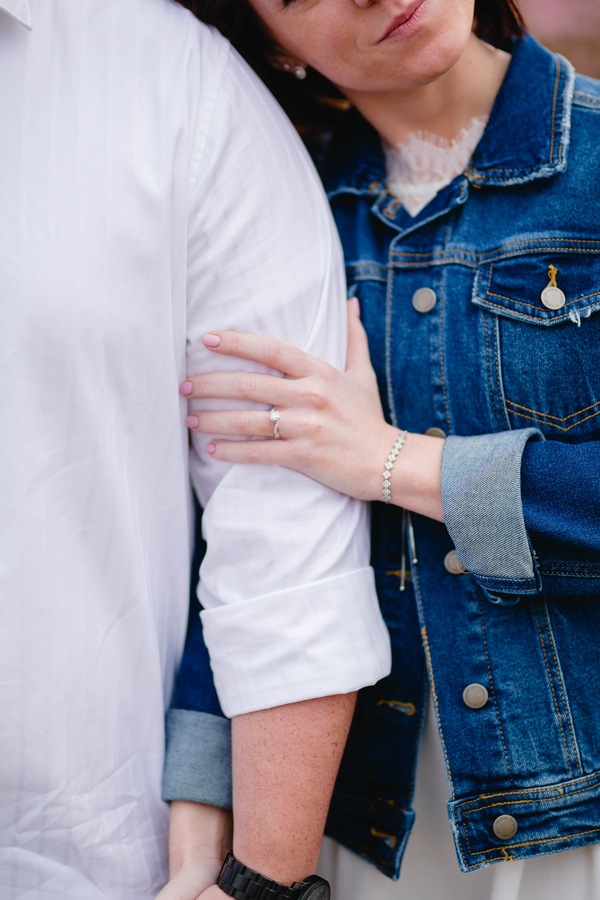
<point x="552" y="296"/>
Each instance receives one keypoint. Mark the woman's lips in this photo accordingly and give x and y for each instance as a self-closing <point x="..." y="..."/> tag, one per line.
<point x="404" y="22"/>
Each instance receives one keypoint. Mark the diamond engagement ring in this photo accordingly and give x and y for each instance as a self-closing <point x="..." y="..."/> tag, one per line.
<point x="275" y="416"/>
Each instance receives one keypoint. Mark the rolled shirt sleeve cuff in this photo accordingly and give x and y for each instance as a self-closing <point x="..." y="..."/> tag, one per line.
<point x="311" y="641"/>
<point x="198" y="758"/>
<point x="481" y="497"/>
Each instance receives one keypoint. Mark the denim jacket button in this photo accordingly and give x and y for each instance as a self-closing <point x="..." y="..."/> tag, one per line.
<point x="475" y="696"/>
<point x="424" y="300"/>
<point x="453" y="564"/>
<point x="505" y="827"/>
<point x="436" y="432"/>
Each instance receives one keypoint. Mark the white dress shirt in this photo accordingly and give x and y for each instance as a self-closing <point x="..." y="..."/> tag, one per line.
<point x="151" y="191"/>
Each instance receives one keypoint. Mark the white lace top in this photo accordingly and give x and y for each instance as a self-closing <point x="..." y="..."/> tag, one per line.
<point x="425" y="163"/>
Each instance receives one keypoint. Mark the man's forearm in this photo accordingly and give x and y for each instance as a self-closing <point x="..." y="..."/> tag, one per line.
<point x="285" y="761"/>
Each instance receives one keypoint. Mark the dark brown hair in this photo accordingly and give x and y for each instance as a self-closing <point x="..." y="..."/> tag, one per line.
<point x="315" y="102"/>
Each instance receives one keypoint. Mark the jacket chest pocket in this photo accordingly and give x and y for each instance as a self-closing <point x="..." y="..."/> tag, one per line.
<point x="544" y="309"/>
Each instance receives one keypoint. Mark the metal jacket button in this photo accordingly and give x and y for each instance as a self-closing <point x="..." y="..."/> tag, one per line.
<point x="453" y="564"/>
<point x="505" y="827"/>
<point x="424" y="300"/>
<point x="552" y="296"/>
<point x="475" y="696"/>
<point x="436" y="432"/>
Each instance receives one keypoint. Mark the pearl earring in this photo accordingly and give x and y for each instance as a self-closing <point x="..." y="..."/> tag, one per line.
<point x="298" y="71"/>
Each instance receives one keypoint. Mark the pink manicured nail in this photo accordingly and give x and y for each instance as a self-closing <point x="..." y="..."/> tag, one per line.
<point x="192" y="421"/>
<point x="211" y="340"/>
<point x="210" y="448"/>
<point x="186" y="388"/>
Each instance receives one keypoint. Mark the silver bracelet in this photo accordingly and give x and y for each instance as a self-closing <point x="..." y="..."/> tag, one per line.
<point x="386" y="488"/>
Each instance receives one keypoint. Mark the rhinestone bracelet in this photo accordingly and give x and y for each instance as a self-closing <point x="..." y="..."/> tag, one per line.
<point x="386" y="488"/>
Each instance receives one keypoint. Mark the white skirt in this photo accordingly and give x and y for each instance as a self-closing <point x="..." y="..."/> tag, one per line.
<point x="430" y="869"/>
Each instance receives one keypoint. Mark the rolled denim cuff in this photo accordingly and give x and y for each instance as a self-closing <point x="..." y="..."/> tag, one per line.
<point x="198" y="758"/>
<point x="483" y="512"/>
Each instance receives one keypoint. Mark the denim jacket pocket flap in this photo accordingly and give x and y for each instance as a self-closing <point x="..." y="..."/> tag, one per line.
<point x="545" y="287"/>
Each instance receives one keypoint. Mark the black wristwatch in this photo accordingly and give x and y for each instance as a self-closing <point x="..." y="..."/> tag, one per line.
<point x="243" y="883"/>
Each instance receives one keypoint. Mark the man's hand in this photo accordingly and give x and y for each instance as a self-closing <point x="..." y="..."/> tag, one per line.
<point x="199" y="838"/>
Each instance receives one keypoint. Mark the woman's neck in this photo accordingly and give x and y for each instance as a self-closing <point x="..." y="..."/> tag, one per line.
<point x="445" y="106"/>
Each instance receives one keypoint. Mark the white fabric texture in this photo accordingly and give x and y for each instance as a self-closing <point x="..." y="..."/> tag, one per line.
<point x="146" y="198"/>
<point x="424" y="163"/>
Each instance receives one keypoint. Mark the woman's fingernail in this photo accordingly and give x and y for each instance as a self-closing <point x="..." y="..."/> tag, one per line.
<point x="186" y="388"/>
<point x="211" y="340"/>
<point x="355" y="306"/>
<point x="210" y="448"/>
<point x="192" y="421"/>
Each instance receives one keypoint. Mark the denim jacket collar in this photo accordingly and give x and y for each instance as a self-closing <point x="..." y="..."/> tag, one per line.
<point x="537" y="82"/>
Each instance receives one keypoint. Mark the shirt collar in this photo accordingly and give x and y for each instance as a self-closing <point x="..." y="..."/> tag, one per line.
<point x="19" y="10"/>
<point x="527" y="136"/>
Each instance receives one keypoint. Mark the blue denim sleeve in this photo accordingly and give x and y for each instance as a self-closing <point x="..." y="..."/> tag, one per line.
<point x="198" y="736"/>
<point x="198" y="748"/>
<point x="198" y="758"/>
<point x="516" y="507"/>
<point x="560" y="488"/>
<point x="481" y="497"/>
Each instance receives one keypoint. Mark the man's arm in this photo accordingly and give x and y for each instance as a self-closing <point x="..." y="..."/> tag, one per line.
<point x="290" y="612"/>
<point x="285" y="761"/>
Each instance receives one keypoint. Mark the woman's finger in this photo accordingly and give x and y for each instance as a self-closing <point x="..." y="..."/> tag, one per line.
<point x="271" y="352"/>
<point x="243" y="423"/>
<point x="250" y="452"/>
<point x="358" y="346"/>
<point x="239" y="386"/>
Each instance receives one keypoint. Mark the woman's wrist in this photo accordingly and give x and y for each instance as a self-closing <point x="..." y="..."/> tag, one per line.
<point x="198" y="833"/>
<point x="416" y="477"/>
<point x="415" y="473"/>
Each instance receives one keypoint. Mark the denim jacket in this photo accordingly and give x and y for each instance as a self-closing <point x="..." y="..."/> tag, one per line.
<point x="500" y="617"/>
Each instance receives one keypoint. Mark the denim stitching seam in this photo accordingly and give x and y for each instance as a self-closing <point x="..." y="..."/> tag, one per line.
<point x="524" y="315"/>
<point x="492" y="687"/>
<point x="554" y="105"/>
<point x="566" y="837"/>
<point x="563" y="690"/>
<point x="553" y="691"/>
<point x="389" y="296"/>
<point x="434" y="696"/>
<point x="552" y="425"/>
<point x="556" y="418"/>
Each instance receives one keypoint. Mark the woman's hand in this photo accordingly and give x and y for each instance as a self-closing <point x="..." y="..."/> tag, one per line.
<point x="194" y="881"/>
<point x="199" y="838"/>
<point x="332" y="425"/>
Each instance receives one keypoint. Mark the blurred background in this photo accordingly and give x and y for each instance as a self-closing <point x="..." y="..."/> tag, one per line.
<point x="571" y="27"/>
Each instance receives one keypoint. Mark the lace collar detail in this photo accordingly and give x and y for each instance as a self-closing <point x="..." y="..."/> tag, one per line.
<point x="425" y="163"/>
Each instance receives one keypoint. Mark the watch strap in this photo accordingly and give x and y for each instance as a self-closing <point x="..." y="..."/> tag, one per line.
<point x="243" y="883"/>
